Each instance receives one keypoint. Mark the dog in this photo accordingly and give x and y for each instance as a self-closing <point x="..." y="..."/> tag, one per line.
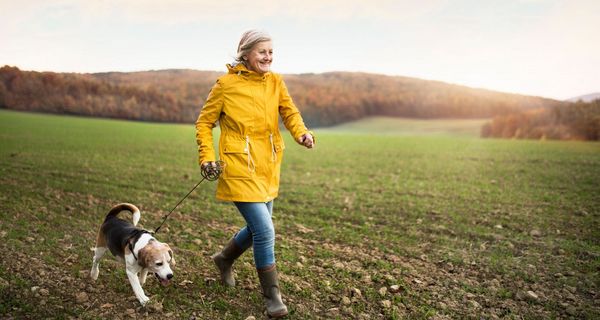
<point x="140" y="251"/>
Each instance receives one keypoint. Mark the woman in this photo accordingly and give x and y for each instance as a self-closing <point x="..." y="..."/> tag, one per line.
<point x="247" y="103"/>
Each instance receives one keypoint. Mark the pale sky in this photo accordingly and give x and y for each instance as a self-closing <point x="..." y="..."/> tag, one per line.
<point x="549" y="48"/>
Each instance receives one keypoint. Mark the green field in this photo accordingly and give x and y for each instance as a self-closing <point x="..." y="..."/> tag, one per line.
<point x="369" y="226"/>
<point x="412" y="127"/>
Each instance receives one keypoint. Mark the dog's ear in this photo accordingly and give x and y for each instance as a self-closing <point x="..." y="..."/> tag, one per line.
<point x="170" y="254"/>
<point x="143" y="257"/>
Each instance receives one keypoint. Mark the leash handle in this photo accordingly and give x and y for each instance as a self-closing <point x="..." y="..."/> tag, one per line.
<point x="209" y="173"/>
<point x="212" y="172"/>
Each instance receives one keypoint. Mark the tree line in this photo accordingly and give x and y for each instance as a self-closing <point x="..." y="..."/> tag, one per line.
<point x="324" y="99"/>
<point x="331" y="98"/>
<point x="336" y="97"/>
<point x="81" y="94"/>
<point x="573" y="121"/>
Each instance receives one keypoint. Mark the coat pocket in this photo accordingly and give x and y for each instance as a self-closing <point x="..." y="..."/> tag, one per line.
<point x="235" y="156"/>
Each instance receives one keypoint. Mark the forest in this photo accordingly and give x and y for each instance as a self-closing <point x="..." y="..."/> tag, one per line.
<point x="574" y="121"/>
<point x="88" y="95"/>
<point x="324" y="99"/>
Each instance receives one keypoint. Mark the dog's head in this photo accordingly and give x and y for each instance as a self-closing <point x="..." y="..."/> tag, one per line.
<point x="157" y="257"/>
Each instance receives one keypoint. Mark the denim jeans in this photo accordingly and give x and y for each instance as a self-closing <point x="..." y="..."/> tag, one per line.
<point x="258" y="232"/>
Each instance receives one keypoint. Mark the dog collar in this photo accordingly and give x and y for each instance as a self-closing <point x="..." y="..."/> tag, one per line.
<point x="134" y="239"/>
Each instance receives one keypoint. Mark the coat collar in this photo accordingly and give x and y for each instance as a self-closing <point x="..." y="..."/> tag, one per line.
<point x="241" y="70"/>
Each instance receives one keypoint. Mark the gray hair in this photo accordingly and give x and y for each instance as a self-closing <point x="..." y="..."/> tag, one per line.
<point x="247" y="42"/>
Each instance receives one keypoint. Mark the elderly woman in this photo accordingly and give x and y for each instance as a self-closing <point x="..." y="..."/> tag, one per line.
<point x="247" y="103"/>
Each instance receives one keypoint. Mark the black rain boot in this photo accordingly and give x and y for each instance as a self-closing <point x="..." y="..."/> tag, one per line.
<point x="271" y="292"/>
<point x="224" y="261"/>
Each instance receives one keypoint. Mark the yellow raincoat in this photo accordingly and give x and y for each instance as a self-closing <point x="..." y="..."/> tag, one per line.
<point x="247" y="106"/>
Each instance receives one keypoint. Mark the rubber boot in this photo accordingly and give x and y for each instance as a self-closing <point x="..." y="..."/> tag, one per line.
<point x="271" y="292"/>
<point x="224" y="261"/>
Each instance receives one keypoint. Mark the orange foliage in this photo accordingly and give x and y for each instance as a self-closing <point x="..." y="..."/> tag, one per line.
<point x="574" y="121"/>
<point x="324" y="99"/>
<point x="81" y="94"/>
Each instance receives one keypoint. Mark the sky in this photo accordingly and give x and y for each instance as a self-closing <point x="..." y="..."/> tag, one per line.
<point x="546" y="48"/>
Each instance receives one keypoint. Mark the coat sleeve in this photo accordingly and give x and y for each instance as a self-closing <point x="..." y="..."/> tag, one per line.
<point x="290" y="114"/>
<point x="207" y="120"/>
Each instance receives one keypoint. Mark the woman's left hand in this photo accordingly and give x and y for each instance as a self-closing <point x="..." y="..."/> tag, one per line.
<point x="307" y="140"/>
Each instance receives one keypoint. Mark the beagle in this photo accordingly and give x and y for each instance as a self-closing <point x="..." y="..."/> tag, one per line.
<point x="140" y="251"/>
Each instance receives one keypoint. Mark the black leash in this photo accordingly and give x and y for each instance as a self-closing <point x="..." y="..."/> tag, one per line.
<point x="209" y="173"/>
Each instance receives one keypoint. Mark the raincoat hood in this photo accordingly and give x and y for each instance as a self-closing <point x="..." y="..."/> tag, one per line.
<point x="241" y="70"/>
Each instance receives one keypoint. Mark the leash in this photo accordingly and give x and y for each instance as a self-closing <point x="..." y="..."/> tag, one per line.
<point x="209" y="173"/>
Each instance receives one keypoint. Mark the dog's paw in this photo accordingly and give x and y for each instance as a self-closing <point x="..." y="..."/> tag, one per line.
<point x="144" y="300"/>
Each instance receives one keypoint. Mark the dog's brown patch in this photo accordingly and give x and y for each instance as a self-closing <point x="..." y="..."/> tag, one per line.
<point x="100" y="240"/>
<point x="152" y="252"/>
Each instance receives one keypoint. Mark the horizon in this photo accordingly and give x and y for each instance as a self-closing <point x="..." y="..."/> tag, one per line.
<point x="530" y="47"/>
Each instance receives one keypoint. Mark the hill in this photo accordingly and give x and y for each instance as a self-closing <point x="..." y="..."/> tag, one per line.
<point x="586" y="97"/>
<point x="324" y="99"/>
<point x="87" y="95"/>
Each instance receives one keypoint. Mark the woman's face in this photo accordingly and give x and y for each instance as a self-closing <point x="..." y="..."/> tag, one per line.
<point x="260" y="57"/>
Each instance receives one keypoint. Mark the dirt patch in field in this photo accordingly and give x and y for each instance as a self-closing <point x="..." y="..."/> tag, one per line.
<point x="360" y="282"/>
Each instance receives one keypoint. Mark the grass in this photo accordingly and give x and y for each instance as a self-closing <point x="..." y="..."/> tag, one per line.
<point x="465" y="227"/>
<point x="411" y="127"/>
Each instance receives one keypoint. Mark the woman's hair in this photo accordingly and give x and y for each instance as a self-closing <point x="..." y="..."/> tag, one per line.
<point x="247" y="42"/>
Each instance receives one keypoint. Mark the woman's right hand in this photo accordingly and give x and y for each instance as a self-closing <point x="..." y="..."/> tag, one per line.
<point x="211" y="170"/>
<point x="207" y="164"/>
<point x="209" y="167"/>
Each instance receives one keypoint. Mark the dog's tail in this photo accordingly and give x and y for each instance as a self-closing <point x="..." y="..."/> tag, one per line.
<point x="125" y="206"/>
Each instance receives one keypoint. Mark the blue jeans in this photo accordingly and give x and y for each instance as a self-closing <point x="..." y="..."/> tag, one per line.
<point x="258" y="232"/>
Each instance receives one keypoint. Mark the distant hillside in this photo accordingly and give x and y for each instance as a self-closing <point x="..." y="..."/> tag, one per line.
<point x="338" y="97"/>
<point x="324" y="99"/>
<point x="586" y="97"/>
<point x="573" y="121"/>
<point x="82" y="94"/>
